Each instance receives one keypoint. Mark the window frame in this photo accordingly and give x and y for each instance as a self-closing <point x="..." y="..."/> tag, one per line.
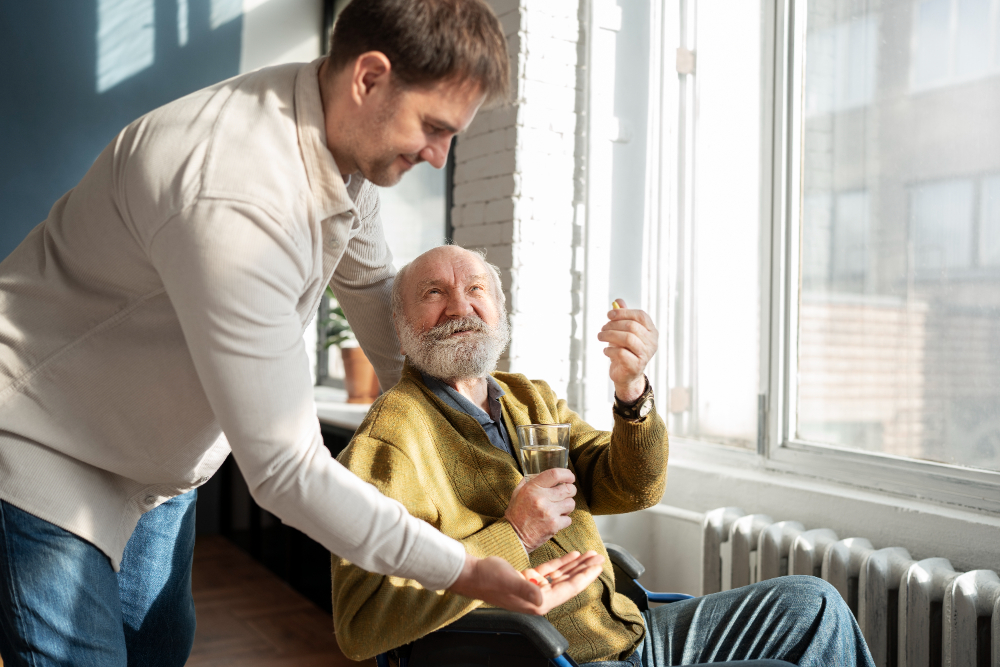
<point x="783" y="115"/>
<point x="950" y="484"/>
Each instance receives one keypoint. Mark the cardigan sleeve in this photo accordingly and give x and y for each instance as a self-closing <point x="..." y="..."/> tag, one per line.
<point x="234" y="280"/>
<point x="618" y="472"/>
<point x="374" y="613"/>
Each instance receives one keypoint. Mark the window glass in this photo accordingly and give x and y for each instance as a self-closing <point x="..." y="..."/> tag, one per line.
<point x="953" y="40"/>
<point x="714" y="368"/>
<point x="899" y="307"/>
<point x="989" y="216"/>
<point x="941" y="219"/>
<point x="413" y="212"/>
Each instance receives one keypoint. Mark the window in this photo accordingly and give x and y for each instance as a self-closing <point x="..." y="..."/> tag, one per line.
<point x="941" y="219"/>
<point x="989" y="219"/>
<point x="840" y="61"/>
<point x="413" y="212"/>
<point x="821" y="241"/>
<point x="715" y="378"/>
<point x="953" y="41"/>
<point x="896" y="345"/>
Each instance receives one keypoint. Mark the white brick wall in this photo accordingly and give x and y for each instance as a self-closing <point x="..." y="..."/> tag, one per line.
<point x="514" y="186"/>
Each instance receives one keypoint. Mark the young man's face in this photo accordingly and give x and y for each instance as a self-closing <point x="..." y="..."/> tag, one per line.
<point x="409" y="126"/>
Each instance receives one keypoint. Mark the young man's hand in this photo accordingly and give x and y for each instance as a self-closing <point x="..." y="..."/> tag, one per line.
<point x="632" y="342"/>
<point x="534" y="591"/>
<point x="539" y="507"/>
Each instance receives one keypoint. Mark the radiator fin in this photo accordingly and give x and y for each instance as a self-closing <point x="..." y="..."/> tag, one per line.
<point x="912" y="613"/>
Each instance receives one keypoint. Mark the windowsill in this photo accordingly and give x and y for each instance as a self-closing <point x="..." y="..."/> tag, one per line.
<point x="333" y="409"/>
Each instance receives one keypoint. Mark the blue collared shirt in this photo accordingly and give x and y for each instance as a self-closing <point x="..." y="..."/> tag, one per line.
<point x="491" y="422"/>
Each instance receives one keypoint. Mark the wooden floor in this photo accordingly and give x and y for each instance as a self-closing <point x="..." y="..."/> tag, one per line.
<point x="249" y="617"/>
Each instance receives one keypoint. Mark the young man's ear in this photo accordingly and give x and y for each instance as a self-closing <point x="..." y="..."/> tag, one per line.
<point x="371" y="70"/>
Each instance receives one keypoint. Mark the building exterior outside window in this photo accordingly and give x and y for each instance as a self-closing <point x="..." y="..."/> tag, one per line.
<point x="899" y="317"/>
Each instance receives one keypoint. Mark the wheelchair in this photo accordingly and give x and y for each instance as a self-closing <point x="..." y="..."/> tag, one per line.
<point x="496" y="637"/>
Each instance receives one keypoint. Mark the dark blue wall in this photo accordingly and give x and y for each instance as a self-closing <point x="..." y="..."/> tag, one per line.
<point x="53" y="122"/>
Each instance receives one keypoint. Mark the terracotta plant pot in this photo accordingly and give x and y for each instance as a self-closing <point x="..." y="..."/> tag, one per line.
<point x="359" y="376"/>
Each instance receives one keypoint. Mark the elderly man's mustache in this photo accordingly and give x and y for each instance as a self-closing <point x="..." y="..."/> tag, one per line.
<point x="468" y="323"/>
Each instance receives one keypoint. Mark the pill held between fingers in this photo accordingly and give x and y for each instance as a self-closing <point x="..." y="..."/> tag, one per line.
<point x="614" y="305"/>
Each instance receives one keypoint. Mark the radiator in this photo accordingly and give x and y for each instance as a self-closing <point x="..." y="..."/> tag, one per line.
<point x="912" y="613"/>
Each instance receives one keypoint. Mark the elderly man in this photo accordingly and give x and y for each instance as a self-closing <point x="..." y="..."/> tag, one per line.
<point x="443" y="443"/>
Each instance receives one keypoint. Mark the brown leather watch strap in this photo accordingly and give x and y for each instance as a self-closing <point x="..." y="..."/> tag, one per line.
<point x="638" y="409"/>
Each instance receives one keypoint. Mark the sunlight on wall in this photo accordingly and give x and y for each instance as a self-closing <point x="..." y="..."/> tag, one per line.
<point x="125" y="40"/>
<point x="274" y="32"/>
<point x="224" y="11"/>
<point x="182" y="22"/>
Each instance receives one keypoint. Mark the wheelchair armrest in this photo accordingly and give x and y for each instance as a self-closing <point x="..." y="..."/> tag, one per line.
<point x="629" y="564"/>
<point x="536" y="629"/>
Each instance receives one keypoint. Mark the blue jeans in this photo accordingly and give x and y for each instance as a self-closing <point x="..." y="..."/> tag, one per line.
<point x="61" y="603"/>
<point x="802" y="620"/>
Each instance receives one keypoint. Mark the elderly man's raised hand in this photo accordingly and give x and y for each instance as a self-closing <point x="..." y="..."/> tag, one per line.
<point x="539" y="507"/>
<point x="534" y="591"/>
<point x="632" y="342"/>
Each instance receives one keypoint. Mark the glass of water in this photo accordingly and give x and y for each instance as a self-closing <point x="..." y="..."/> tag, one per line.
<point x="543" y="446"/>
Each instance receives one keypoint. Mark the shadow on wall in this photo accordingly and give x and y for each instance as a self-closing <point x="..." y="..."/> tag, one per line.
<point x="76" y="73"/>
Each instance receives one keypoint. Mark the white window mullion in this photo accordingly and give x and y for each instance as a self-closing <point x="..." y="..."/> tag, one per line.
<point x="605" y="22"/>
<point x="680" y="332"/>
<point x="662" y="173"/>
<point x="789" y="71"/>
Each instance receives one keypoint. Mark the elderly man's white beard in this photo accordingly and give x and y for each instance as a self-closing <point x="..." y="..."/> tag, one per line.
<point x="473" y="355"/>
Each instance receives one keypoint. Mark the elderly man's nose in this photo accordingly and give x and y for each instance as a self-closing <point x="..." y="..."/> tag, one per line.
<point x="459" y="306"/>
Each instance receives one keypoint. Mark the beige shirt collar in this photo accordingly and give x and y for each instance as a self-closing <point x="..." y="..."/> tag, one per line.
<point x="325" y="180"/>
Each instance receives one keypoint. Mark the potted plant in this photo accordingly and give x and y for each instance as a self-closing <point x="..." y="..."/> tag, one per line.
<point x="359" y="374"/>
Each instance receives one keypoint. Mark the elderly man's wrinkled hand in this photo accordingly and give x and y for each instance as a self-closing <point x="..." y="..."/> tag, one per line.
<point x="540" y="507"/>
<point x="632" y="341"/>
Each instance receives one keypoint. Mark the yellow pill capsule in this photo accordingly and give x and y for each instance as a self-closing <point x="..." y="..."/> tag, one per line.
<point x="614" y="305"/>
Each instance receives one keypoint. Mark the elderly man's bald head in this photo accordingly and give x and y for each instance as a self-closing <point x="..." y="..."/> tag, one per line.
<point x="448" y="308"/>
<point x="445" y="254"/>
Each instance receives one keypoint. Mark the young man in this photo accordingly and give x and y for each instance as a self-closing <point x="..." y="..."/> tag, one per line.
<point x="443" y="443"/>
<point x="162" y="304"/>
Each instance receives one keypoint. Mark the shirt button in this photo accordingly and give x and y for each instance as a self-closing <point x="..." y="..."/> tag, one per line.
<point x="150" y="500"/>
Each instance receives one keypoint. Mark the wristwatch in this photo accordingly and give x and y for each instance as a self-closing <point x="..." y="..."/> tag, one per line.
<point x="638" y="409"/>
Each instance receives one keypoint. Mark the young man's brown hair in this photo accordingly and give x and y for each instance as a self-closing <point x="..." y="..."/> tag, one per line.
<point x="427" y="41"/>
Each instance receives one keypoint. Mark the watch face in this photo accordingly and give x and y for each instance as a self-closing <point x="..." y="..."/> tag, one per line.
<point x="646" y="407"/>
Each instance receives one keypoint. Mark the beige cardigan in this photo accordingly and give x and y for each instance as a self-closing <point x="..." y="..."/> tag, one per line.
<point x="163" y="303"/>
<point x="441" y="465"/>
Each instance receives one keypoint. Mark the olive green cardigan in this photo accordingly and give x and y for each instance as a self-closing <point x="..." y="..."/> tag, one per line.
<point x="440" y="464"/>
